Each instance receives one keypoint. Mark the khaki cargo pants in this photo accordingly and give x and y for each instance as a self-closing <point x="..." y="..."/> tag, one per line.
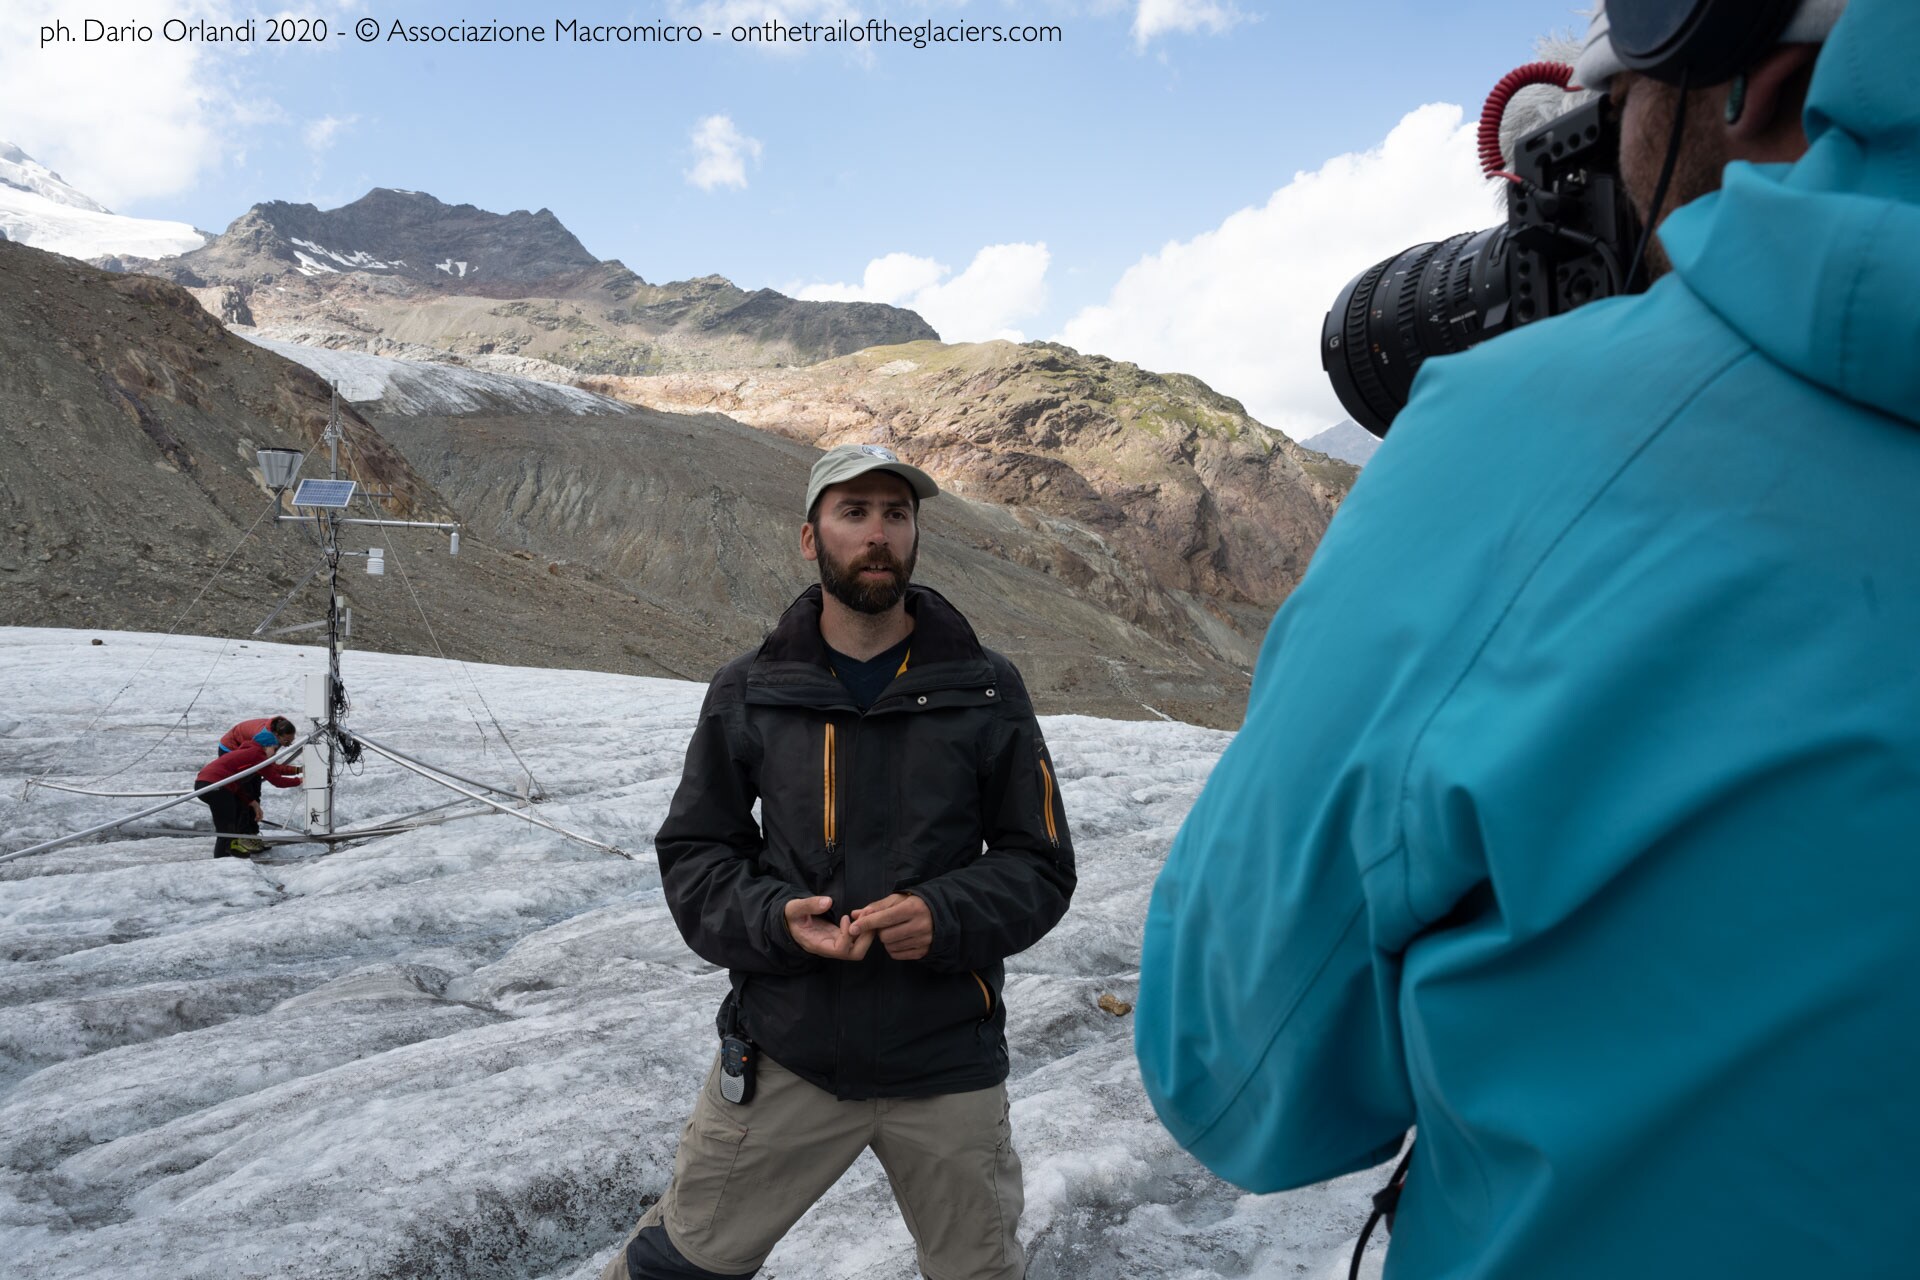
<point x="745" y="1174"/>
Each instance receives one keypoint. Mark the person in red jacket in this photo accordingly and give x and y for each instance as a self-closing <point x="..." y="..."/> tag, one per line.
<point x="236" y="806"/>
<point x="244" y="732"/>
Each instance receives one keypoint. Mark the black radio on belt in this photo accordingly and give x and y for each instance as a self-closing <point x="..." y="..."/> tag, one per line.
<point x="736" y="1069"/>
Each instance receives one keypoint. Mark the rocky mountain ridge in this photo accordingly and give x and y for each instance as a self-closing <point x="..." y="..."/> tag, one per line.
<point x="402" y="268"/>
<point x="406" y="235"/>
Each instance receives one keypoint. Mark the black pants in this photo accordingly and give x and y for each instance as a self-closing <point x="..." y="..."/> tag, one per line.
<point x="232" y="815"/>
<point x="651" y="1256"/>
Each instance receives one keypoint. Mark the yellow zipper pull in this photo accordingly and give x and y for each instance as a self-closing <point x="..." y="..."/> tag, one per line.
<point x="829" y="826"/>
<point x="1046" y="801"/>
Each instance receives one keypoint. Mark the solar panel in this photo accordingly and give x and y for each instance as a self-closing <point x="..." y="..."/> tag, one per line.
<point x="323" y="493"/>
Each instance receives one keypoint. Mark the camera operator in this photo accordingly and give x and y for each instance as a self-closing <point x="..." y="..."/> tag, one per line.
<point x="1576" y="815"/>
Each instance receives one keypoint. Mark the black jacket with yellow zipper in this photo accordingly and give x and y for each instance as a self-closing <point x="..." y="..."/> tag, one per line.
<point x="943" y="787"/>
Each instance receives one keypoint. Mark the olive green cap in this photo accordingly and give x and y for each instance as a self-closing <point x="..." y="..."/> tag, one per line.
<point x="846" y="461"/>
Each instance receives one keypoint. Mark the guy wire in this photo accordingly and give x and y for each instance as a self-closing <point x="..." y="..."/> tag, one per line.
<point x="154" y="653"/>
<point x="433" y="636"/>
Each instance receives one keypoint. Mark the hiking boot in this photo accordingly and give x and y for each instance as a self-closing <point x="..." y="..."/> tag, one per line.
<point x="247" y="848"/>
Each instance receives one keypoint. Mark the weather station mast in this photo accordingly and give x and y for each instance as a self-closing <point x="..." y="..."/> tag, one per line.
<point x="326" y="501"/>
<point x="318" y="508"/>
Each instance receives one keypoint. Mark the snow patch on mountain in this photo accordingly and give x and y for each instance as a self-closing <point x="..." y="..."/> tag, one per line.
<point x="419" y="388"/>
<point x="27" y="217"/>
<point x="469" y="1050"/>
<point x="38" y="208"/>
<point x="22" y="172"/>
<point x="308" y="267"/>
<point x="356" y="261"/>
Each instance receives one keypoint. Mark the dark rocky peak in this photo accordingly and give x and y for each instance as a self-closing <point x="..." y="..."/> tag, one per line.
<point x="392" y="233"/>
<point x="364" y="275"/>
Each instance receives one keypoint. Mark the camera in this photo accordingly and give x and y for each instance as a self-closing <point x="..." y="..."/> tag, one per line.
<point x="1568" y="238"/>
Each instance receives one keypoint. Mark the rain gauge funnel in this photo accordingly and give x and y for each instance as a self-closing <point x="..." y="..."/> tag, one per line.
<point x="279" y="466"/>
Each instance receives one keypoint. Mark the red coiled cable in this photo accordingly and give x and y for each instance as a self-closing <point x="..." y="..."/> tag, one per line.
<point x="1554" y="73"/>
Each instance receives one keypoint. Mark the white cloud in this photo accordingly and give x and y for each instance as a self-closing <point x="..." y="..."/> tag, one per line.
<point x="892" y="279"/>
<point x="1241" y="306"/>
<point x="320" y="134"/>
<point x="1160" y="17"/>
<point x="721" y="153"/>
<point x="129" y="121"/>
<point x="122" y="121"/>
<point x="1004" y="284"/>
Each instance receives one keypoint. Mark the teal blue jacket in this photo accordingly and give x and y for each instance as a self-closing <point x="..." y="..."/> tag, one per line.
<point x="1576" y="815"/>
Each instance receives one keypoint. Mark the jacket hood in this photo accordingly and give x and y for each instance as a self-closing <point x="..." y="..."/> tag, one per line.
<point x="1817" y="263"/>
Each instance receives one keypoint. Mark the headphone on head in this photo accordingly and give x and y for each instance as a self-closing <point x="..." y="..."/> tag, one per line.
<point x="1695" y="42"/>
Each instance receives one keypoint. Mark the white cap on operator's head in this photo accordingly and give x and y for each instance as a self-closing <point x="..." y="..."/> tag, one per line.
<point x="1598" y="63"/>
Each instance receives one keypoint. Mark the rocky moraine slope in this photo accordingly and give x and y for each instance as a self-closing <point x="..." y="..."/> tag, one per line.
<point x="625" y="456"/>
<point x="1175" y="510"/>
<point x="1126" y="556"/>
<point x="130" y="498"/>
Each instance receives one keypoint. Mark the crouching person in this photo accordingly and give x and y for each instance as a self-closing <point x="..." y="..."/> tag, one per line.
<point x="910" y="839"/>
<point x="280" y="775"/>
<point x="236" y="806"/>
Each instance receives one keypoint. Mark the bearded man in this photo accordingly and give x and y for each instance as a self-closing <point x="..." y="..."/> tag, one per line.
<point x="910" y="838"/>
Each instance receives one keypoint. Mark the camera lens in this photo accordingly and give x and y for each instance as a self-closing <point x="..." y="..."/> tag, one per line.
<point x="1431" y="300"/>
<point x="1568" y="221"/>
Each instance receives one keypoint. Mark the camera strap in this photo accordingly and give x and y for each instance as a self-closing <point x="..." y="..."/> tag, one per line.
<point x="1385" y="1201"/>
<point x="1666" y="177"/>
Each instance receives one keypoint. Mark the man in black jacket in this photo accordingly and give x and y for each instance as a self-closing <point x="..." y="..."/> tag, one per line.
<point x="910" y="839"/>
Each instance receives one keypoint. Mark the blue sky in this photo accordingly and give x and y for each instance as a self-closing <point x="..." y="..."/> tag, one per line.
<point x="1087" y="189"/>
